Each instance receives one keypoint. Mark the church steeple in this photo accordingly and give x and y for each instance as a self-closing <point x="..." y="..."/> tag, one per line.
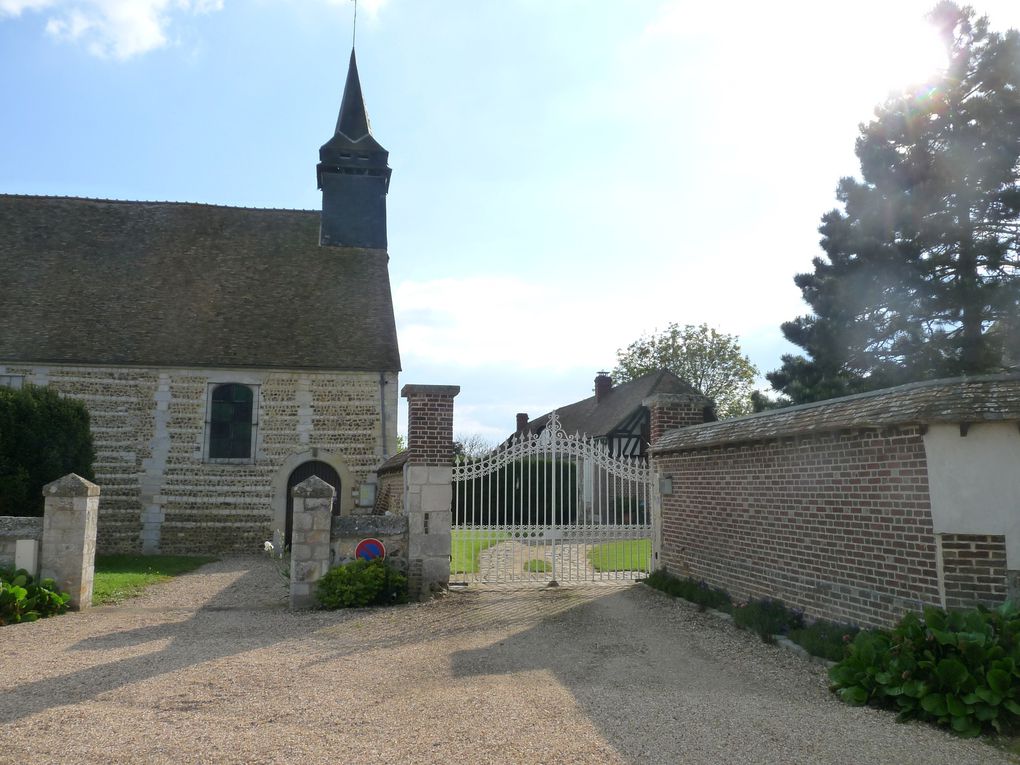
<point x="353" y="175"/>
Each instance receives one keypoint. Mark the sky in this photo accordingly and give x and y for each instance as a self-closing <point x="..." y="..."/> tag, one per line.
<point x="568" y="175"/>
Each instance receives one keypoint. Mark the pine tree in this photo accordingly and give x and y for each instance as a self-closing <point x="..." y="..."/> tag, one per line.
<point x="921" y="274"/>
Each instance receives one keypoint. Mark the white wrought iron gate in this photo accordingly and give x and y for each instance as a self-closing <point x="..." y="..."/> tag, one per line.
<point x="551" y="507"/>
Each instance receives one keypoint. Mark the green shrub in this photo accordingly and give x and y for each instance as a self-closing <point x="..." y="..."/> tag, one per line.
<point x="960" y="669"/>
<point x="767" y="618"/>
<point x="22" y="599"/>
<point x="826" y="639"/>
<point x="694" y="590"/>
<point x="361" y="583"/>
<point x="43" y="436"/>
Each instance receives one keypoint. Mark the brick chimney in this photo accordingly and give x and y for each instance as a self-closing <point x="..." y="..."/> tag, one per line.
<point x="603" y="384"/>
<point x="522" y="422"/>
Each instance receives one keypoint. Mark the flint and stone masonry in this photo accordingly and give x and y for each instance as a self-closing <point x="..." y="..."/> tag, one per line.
<point x="69" y="536"/>
<point x="428" y="474"/>
<point x="161" y="493"/>
<point x="310" y="543"/>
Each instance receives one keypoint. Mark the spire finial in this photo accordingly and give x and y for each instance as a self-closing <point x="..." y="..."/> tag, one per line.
<point x="354" y="29"/>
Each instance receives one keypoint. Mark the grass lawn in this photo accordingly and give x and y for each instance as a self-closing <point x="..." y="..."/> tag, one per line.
<point x="123" y="576"/>
<point x="467" y="544"/>
<point x="625" y="555"/>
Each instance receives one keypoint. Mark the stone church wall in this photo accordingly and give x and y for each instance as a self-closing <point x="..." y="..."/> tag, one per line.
<point x="161" y="492"/>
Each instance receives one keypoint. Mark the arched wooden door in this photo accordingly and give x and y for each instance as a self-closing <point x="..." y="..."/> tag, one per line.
<point x="307" y="470"/>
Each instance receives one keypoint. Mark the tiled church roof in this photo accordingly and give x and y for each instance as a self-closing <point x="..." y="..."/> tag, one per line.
<point x="173" y="284"/>
<point x="973" y="399"/>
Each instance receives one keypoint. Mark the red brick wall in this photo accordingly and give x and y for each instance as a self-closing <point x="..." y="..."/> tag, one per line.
<point x="974" y="568"/>
<point x="837" y="524"/>
<point x="429" y="428"/>
<point x="670" y="417"/>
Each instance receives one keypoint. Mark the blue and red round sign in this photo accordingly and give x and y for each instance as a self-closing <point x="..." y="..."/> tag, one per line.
<point x="370" y="549"/>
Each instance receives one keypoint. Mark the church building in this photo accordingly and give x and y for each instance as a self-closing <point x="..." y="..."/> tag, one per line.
<point x="224" y="354"/>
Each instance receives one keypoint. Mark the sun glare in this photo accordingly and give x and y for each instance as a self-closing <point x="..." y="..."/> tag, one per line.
<point x="913" y="58"/>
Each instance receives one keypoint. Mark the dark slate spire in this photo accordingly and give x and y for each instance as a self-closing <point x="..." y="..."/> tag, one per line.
<point x="353" y="123"/>
<point x="353" y="175"/>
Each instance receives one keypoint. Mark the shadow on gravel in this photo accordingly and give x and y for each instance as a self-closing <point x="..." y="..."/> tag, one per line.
<point x="229" y="624"/>
<point x="207" y="635"/>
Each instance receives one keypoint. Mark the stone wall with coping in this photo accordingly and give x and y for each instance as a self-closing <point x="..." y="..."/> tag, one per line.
<point x="13" y="529"/>
<point x="161" y="492"/>
<point x="391" y="530"/>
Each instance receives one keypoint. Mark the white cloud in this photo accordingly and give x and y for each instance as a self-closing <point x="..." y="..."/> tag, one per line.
<point x="16" y="7"/>
<point x="480" y="321"/>
<point x="118" y="29"/>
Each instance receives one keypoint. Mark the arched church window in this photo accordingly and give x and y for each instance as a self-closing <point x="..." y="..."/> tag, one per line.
<point x="231" y="423"/>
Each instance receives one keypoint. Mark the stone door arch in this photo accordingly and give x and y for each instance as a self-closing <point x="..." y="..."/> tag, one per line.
<point x="306" y="470"/>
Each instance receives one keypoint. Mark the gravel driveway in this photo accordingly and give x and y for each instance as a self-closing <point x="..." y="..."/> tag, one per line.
<point x="211" y="668"/>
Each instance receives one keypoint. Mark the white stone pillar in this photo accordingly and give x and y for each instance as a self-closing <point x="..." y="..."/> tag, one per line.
<point x="69" y="536"/>
<point x="309" y="549"/>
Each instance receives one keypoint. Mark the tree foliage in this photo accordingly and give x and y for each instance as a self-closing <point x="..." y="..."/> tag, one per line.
<point x="710" y="361"/>
<point x="43" y="436"/>
<point x="921" y="274"/>
<point x="471" y="445"/>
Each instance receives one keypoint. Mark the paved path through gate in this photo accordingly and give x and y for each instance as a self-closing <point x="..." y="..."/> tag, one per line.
<point x="212" y="668"/>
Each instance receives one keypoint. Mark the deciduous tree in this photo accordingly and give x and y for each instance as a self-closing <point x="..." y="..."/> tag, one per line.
<point x="709" y="360"/>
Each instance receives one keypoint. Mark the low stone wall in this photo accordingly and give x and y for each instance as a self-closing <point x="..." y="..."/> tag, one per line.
<point x="13" y="528"/>
<point x="349" y="531"/>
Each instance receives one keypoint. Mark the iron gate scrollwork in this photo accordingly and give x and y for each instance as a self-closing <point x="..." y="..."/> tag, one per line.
<point x="551" y="507"/>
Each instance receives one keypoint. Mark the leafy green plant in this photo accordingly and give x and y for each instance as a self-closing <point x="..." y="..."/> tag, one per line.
<point x="537" y="566"/>
<point x="960" y="669"/>
<point x="767" y="618"/>
<point x="826" y="639"/>
<point x="361" y="583"/>
<point x="22" y="599"/>
<point x="694" y="590"/>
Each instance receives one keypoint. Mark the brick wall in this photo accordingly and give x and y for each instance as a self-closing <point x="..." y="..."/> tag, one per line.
<point x="838" y="524"/>
<point x="974" y="568"/>
<point x="430" y="423"/>
<point x="668" y="411"/>
<point x="149" y="428"/>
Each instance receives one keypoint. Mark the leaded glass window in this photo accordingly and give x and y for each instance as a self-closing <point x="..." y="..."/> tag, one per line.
<point x="230" y="422"/>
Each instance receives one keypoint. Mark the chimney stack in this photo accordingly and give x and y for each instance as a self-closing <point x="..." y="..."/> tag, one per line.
<point x="603" y="384"/>
<point x="522" y="422"/>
